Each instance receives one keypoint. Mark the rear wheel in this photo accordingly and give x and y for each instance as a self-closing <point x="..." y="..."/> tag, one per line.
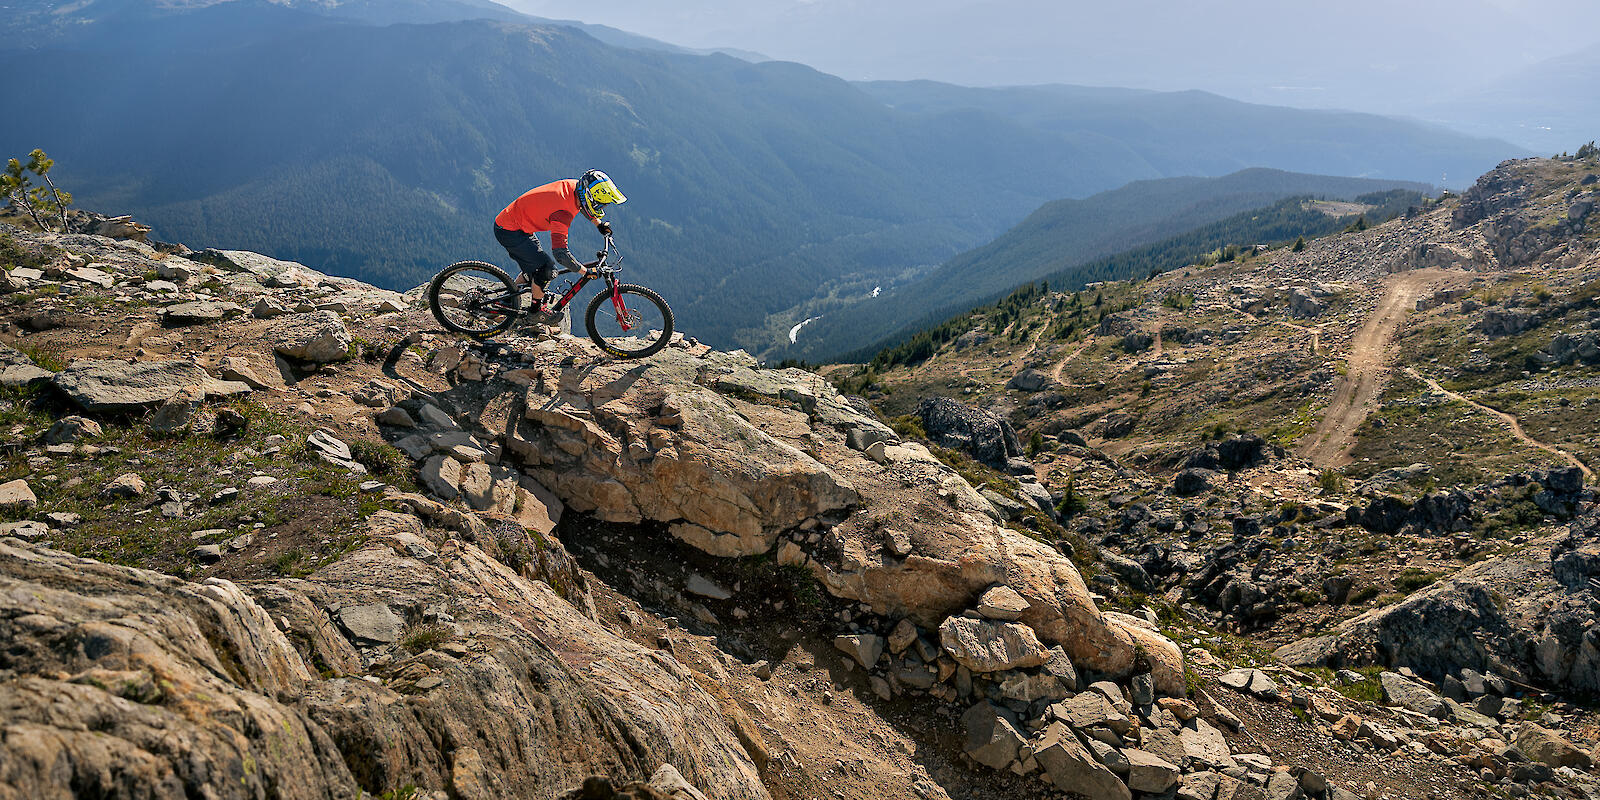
<point x="474" y="298"/>
<point x="639" y="328"/>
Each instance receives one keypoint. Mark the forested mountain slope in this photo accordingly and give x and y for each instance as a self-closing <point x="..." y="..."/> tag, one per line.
<point x="383" y="151"/>
<point x="1063" y="235"/>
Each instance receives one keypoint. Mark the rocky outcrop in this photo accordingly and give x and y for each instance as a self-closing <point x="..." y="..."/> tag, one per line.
<point x="735" y="460"/>
<point x="1526" y="616"/>
<point x="128" y="682"/>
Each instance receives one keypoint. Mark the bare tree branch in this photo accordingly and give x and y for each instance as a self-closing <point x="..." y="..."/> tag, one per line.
<point x="60" y="206"/>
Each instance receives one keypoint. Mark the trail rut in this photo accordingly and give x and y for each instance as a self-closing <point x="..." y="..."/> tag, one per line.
<point x="1369" y="363"/>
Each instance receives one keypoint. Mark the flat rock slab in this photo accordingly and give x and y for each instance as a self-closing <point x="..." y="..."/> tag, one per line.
<point x="17" y="375"/>
<point x="269" y="271"/>
<point x="372" y="623"/>
<point x="199" y="312"/>
<point x="1403" y="691"/>
<point x="92" y="275"/>
<point x="105" y="385"/>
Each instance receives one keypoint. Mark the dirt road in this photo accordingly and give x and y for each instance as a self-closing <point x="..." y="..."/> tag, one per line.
<point x="1516" y="427"/>
<point x="1368" y="366"/>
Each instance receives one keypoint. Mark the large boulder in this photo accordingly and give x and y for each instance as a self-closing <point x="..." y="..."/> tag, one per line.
<point x="100" y="386"/>
<point x="668" y="450"/>
<point x="1029" y="380"/>
<point x="1403" y="691"/>
<point x="981" y="434"/>
<point x="1547" y="747"/>
<point x="318" y="337"/>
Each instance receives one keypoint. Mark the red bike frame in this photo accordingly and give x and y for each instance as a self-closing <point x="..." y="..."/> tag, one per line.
<point x="598" y="265"/>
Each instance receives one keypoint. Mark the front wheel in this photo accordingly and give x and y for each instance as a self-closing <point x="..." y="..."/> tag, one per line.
<point x="633" y="323"/>
<point x="474" y="298"/>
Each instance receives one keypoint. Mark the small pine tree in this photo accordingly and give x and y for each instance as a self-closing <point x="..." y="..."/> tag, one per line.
<point x="1359" y="225"/>
<point x="1588" y="150"/>
<point x="41" y="202"/>
<point x="1299" y="245"/>
<point x="1035" y="444"/>
<point x="1072" y="504"/>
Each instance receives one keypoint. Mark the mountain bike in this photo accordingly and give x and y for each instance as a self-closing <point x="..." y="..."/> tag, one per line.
<point x="480" y="300"/>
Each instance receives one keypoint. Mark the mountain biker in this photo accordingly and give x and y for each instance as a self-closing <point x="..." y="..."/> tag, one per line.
<point x="553" y="207"/>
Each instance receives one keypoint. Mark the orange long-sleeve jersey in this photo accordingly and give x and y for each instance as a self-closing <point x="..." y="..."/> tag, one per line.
<point x="551" y="207"/>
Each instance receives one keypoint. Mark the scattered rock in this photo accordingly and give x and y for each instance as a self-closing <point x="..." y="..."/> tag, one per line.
<point x="125" y="487"/>
<point x="73" y="429"/>
<point x="1002" y="603"/>
<point x="17" y="496"/>
<point x="992" y="736"/>
<point x="318" y="337"/>
<point x="865" y="648"/>
<point x="986" y="646"/>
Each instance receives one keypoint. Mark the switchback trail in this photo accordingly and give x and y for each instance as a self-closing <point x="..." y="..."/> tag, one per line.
<point x="1368" y="367"/>
<point x="1509" y="420"/>
<point x="1055" y="371"/>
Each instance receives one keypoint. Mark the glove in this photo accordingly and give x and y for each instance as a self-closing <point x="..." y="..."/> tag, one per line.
<point x="604" y="228"/>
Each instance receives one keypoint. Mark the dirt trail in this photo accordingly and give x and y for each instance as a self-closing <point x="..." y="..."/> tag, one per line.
<point x="1509" y="420"/>
<point x="1368" y="366"/>
<point x="1055" y="371"/>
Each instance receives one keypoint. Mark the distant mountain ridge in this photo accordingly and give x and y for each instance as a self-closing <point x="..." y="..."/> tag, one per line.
<point x="382" y="151"/>
<point x="1064" y="234"/>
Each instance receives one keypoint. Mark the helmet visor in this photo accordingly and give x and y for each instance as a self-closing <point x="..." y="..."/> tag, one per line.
<point x="606" y="192"/>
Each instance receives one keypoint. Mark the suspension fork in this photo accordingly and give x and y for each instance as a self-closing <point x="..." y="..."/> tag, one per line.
<point x="616" y="303"/>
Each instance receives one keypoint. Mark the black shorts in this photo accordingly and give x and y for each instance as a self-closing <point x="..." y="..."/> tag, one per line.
<point x="525" y="250"/>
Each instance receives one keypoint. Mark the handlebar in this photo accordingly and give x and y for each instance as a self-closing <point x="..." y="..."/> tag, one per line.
<point x="599" y="260"/>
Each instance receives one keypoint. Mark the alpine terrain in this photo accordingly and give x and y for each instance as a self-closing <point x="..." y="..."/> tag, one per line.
<point x="1298" y="520"/>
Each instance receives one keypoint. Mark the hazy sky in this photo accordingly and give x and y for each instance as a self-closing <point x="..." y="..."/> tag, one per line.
<point x="1380" y="55"/>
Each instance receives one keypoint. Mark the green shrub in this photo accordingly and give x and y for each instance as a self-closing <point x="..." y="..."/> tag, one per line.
<point x="426" y="637"/>
<point x="1331" y="481"/>
<point x="1413" y="579"/>
<point x="1072" y="503"/>
<point x="908" y="426"/>
<point x="1035" y="444"/>
<point x="380" y="458"/>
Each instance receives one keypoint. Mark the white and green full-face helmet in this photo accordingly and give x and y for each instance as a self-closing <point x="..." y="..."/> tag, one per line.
<point x="596" y="190"/>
